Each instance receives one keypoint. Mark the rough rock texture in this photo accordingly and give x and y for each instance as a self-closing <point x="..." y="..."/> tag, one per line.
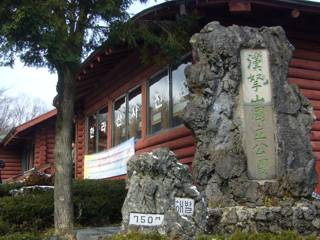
<point x="214" y="81"/>
<point x="302" y="216"/>
<point x="154" y="180"/>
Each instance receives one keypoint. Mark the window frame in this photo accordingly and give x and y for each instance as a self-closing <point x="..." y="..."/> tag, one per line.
<point x="96" y="129"/>
<point x="126" y="96"/>
<point x="169" y="68"/>
<point x="152" y="77"/>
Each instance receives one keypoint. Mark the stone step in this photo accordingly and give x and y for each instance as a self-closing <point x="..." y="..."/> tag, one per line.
<point x="96" y="233"/>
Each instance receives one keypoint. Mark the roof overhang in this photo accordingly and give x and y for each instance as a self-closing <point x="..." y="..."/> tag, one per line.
<point x="27" y="126"/>
<point x="105" y="59"/>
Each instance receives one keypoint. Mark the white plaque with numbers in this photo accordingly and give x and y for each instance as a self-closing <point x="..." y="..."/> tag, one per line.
<point x="145" y="219"/>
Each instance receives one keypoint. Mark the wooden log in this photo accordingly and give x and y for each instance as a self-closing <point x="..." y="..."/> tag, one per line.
<point x="163" y="137"/>
<point x="305" y="84"/>
<point x="315" y="135"/>
<point x="118" y="177"/>
<point x="311" y="94"/>
<point x="185" y="152"/>
<point x="315" y="104"/>
<point x="307" y="55"/>
<point x="315" y="146"/>
<point x="12" y="168"/>
<point x="303" y="73"/>
<point x="12" y="164"/>
<point x="172" y="145"/>
<point x="317" y="154"/>
<point x="186" y="160"/>
<point x="316" y="126"/>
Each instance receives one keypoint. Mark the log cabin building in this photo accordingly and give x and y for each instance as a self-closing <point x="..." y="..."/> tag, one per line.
<point x="119" y="97"/>
<point x="29" y="146"/>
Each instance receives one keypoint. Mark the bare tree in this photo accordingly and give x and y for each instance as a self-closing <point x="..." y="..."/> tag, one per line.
<point x="5" y="112"/>
<point x="16" y="110"/>
<point x="25" y="108"/>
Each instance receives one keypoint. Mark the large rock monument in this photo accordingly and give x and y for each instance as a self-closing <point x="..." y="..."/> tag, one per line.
<point x="252" y="128"/>
<point x="161" y="197"/>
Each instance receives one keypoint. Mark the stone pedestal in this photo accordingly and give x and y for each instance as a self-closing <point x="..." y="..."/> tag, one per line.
<point x="251" y="127"/>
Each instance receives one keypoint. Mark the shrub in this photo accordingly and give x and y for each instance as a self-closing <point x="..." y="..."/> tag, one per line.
<point x="5" y="188"/>
<point x="27" y="212"/>
<point x="96" y="202"/>
<point x="22" y="236"/>
<point x="287" y="235"/>
<point x="4" y="227"/>
<point x="137" y="236"/>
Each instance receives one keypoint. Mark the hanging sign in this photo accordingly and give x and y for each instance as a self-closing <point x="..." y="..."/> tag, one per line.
<point x="109" y="163"/>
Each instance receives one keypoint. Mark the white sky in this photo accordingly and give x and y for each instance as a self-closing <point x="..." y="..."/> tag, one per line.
<point x="39" y="83"/>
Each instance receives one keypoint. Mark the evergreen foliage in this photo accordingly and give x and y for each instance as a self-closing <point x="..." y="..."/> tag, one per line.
<point x="96" y="202"/>
<point x="137" y="236"/>
<point x="58" y="34"/>
<point x="55" y="32"/>
<point x="168" y="38"/>
<point x="289" y="235"/>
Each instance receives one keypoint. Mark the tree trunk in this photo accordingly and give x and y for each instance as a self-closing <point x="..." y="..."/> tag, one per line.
<point x="63" y="204"/>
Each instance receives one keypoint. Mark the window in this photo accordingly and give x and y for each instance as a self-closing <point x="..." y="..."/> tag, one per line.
<point x="28" y="156"/>
<point x="120" y="121"/>
<point x="127" y="116"/>
<point x="135" y="105"/>
<point x="179" y="93"/>
<point x="159" y="102"/>
<point x="102" y="129"/>
<point x="97" y="131"/>
<point x="92" y="134"/>
<point x="166" y="98"/>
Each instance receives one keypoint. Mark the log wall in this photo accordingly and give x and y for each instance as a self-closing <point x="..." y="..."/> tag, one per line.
<point x="304" y="71"/>
<point x="79" y="147"/>
<point x="177" y="139"/>
<point x="44" y="148"/>
<point x="12" y="158"/>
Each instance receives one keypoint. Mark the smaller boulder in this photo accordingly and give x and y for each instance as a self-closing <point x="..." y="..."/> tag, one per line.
<point x="161" y="197"/>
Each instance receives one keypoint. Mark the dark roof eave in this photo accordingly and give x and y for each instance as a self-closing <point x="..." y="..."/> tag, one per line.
<point x="292" y="3"/>
<point x="5" y="141"/>
<point x="307" y="6"/>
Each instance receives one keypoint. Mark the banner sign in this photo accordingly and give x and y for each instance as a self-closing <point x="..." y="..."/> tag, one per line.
<point x="109" y="163"/>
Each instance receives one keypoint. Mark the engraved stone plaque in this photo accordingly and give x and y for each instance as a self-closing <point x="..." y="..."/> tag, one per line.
<point x="259" y="130"/>
<point x="184" y="206"/>
<point x="255" y="75"/>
